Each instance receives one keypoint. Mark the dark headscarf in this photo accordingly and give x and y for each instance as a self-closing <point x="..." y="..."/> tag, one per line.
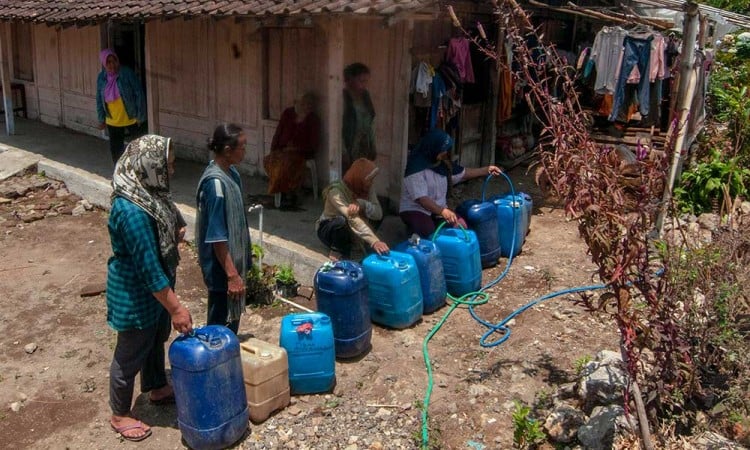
<point x="142" y="176"/>
<point x="424" y="155"/>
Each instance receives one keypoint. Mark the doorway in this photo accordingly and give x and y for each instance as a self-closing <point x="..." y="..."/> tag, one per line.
<point x="127" y="40"/>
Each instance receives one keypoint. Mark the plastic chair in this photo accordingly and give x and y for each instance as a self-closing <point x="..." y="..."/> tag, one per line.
<point x="310" y="163"/>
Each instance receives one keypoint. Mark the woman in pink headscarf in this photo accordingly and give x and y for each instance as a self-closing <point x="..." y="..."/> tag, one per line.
<point x="120" y="103"/>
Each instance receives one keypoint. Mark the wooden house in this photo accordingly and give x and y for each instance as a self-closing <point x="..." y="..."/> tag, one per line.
<point x="242" y="61"/>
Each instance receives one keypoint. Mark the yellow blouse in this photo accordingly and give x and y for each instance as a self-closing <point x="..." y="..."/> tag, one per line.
<point x="118" y="117"/>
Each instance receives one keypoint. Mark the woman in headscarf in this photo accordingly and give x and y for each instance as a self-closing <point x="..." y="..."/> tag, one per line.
<point x="348" y="205"/>
<point x="424" y="190"/>
<point x="144" y="228"/>
<point x="120" y="102"/>
<point x="296" y="140"/>
<point x="222" y="235"/>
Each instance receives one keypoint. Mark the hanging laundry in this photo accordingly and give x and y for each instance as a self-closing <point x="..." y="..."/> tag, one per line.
<point x="606" y="53"/>
<point x="637" y="52"/>
<point x="438" y="91"/>
<point x="459" y="54"/>
<point x="422" y="79"/>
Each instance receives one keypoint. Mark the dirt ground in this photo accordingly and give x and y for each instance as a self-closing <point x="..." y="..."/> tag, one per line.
<point x="49" y="256"/>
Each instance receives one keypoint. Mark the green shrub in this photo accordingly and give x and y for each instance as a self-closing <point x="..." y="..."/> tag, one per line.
<point x="527" y="431"/>
<point x="709" y="182"/>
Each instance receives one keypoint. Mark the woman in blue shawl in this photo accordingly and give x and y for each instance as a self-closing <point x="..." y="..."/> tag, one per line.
<point x="429" y="172"/>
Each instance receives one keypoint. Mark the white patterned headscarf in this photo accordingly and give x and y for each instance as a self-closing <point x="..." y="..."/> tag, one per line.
<point x="142" y="176"/>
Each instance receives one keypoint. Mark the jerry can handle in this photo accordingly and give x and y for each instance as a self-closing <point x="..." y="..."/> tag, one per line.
<point x="213" y="341"/>
<point x="440" y="227"/>
<point x="487" y="180"/>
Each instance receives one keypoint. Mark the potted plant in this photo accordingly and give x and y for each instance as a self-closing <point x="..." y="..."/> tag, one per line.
<point x="260" y="281"/>
<point x="286" y="284"/>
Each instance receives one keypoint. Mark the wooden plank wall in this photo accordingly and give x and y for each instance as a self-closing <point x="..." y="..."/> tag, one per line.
<point x="66" y="64"/>
<point x="384" y="51"/>
<point x="79" y="60"/>
<point x="208" y="72"/>
<point x="47" y="75"/>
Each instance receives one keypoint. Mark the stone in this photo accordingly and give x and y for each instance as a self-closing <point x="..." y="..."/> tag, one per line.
<point x="78" y="210"/>
<point x="608" y="357"/>
<point x="5" y="201"/>
<point x="713" y="441"/>
<point x="383" y="412"/>
<point x="33" y="216"/>
<point x="62" y="193"/>
<point x="605" y="422"/>
<point x="377" y="445"/>
<point x="294" y="410"/>
<point x="30" y="347"/>
<point x="86" y="205"/>
<point x="709" y="221"/>
<point x="15" y="406"/>
<point x="563" y="422"/>
<point x="476" y="390"/>
<point x="603" y="381"/>
<point x="93" y="289"/>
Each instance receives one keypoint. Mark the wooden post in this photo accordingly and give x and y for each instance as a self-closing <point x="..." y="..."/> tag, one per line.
<point x="685" y="93"/>
<point x="495" y="74"/>
<point x="403" y="64"/>
<point x="152" y="81"/>
<point x="334" y="108"/>
<point x="5" y="56"/>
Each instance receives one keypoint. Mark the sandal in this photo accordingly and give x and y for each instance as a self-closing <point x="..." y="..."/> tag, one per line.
<point x="136" y="426"/>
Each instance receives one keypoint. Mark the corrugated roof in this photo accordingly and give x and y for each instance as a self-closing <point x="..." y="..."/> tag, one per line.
<point x="679" y="5"/>
<point x="70" y="11"/>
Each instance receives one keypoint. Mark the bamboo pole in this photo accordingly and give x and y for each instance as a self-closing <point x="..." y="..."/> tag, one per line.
<point x="685" y="93"/>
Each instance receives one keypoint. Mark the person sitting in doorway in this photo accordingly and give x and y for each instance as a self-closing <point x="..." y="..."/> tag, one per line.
<point x="120" y="102"/>
<point x="349" y="204"/>
<point x="296" y="140"/>
<point x="424" y="190"/>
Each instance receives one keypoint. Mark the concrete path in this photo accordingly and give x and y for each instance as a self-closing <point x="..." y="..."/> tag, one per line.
<point x="84" y="164"/>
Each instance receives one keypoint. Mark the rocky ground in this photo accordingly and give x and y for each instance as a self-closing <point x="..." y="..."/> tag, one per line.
<point x="55" y="345"/>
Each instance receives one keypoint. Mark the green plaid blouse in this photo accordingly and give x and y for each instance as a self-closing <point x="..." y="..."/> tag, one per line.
<point x="135" y="271"/>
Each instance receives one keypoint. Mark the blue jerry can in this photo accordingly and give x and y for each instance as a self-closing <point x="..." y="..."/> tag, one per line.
<point x="341" y="293"/>
<point x="308" y="341"/>
<point x="395" y="294"/>
<point x="430" y="267"/>
<point x="459" y="250"/>
<point x="209" y="389"/>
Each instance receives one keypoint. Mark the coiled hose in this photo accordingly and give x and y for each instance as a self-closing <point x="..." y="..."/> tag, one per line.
<point x="473" y="299"/>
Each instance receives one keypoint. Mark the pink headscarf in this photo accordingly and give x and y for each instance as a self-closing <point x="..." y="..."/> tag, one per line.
<point x="111" y="92"/>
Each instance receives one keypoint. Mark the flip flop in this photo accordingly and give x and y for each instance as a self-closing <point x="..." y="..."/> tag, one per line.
<point x="168" y="400"/>
<point x="137" y="425"/>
